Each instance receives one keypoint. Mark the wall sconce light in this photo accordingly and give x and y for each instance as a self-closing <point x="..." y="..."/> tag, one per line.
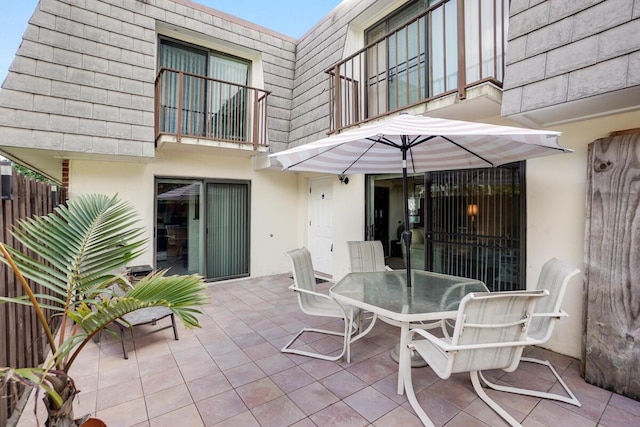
<point x="343" y="179"/>
<point x="6" y="171"/>
<point x="472" y="211"/>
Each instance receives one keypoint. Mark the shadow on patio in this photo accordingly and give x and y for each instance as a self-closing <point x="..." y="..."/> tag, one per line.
<point x="231" y="373"/>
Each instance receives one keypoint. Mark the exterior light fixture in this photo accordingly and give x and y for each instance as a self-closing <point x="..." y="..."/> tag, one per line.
<point x="6" y="171"/>
<point x="472" y="211"/>
<point x="343" y="179"/>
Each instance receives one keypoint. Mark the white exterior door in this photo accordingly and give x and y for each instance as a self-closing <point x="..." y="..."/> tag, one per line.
<point x="321" y="224"/>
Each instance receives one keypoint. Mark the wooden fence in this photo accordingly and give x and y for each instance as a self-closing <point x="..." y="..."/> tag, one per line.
<point x="22" y="341"/>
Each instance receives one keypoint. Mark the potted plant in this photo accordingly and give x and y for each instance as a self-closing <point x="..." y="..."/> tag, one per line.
<point x="78" y="249"/>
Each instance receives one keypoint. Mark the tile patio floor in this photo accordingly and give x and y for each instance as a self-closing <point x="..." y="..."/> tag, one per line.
<point x="230" y="372"/>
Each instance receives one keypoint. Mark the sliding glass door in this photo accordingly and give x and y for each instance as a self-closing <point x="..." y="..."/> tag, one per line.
<point x="466" y="223"/>
<point x="202" y="226"/>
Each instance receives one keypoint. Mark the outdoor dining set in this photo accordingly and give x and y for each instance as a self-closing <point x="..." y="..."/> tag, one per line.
<point x="452" y="324"/>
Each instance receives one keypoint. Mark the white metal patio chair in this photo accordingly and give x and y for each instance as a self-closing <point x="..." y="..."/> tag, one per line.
<point x="315" y="303"/>
<point x="490" y="333"/>
<point x="554" y="276"/>
<point x="366" y="256"/>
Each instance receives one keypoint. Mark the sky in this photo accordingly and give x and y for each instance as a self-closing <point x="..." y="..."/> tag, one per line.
<point x="291" y="17"/>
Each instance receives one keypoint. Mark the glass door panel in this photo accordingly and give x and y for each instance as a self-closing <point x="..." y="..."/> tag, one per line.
<point x="190" y="60"/>
<point x="228" y="97"/>
<point x="178" y="227"/>
<point x="466" y="223"/>
<point x="227" y="230"/>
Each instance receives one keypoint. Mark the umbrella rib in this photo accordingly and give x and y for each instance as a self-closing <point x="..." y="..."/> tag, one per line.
<point x="314" y="156"/>
<point x="382" y="140"/>
<point x="362" y="154"/>
<point x="468" y="151"/>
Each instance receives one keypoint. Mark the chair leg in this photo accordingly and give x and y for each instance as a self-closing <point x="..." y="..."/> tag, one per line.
<point x="124" y="348"/>
<point x="570" y="399"/>
<point x="366" y="331"/>
<point x="477" y="386"/>
<point x="175" y="330"/>
<point x="287" y="349"/>
<point x="405" y="356"/>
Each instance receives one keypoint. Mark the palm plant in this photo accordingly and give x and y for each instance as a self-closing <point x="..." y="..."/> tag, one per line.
<point x="73" y="252"/>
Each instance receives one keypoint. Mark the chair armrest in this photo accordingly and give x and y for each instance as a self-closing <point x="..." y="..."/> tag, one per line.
<point x="447" y="347"/>
<point x="556" y="315"/>
<point x="306" y="291"/>
<point x="430" y="337"/>
<point x="320" y="295"/>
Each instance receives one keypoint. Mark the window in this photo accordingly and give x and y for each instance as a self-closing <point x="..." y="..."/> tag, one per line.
<point x="212" y="96"/>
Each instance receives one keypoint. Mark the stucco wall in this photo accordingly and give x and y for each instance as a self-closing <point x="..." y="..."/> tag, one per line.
<point x="556" y="194"/>
<point x="273" y="197"/>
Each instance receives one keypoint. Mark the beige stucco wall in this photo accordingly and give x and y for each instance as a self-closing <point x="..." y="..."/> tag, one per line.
<point x="274" y="211"/>
<point x="556" y="194"/>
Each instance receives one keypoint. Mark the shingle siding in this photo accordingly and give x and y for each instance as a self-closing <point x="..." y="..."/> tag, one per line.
<point x="569" y="50"/>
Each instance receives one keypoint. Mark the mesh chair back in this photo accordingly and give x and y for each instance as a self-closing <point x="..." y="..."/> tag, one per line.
<point x="366" y="256"/>
<point x="554" y="277"/>
<point x="303" y="275"/>
<point x="491" y="329"/>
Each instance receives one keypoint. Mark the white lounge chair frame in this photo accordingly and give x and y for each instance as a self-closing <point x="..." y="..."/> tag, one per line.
<point x="490" y="333"/>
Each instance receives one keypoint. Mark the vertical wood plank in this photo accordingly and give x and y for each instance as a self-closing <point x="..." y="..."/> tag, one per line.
<point x="612" y="259"/>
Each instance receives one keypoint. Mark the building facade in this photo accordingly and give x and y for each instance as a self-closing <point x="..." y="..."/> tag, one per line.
<point x="176" y="106"/>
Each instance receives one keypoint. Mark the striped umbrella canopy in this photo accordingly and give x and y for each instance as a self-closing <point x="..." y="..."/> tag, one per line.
<point x="414" y="144"/>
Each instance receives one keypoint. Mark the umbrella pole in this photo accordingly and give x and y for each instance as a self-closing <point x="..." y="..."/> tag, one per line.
<point x="406" y="234"/>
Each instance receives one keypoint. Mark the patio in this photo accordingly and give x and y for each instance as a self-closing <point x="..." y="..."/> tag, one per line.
<point x="231" y="373"/>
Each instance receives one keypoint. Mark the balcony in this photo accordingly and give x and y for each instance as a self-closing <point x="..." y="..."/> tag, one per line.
<point x="448" y="50"/>
<point x="201" y="110"/>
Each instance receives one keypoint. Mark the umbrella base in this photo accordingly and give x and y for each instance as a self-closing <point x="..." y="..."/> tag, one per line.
<point x="416" y="360"/>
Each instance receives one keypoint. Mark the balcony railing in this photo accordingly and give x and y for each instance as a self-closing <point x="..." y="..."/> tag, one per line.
<point x="452" y="46"/>
<point x="194" y="106"/>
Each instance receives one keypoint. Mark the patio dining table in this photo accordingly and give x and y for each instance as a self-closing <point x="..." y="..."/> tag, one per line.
<point x="432" y="297"/>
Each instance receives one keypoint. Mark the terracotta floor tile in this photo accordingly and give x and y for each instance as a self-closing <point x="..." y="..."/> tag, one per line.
<point x="163" y="379"/>
<point x="185" y="416"/>
<point x="339" y="415"/>
<point x="313" y="397"/>
<point x="244" y="374"/>
<point x="292" y="379"/>
<point x="116" y="394"/>
<point x="208" y="386"/>
<point x="220" y="407"/>
<point x="167" y="400"/>
<point x="279" y="412"/>
<point x="343" y="384"/>
<point x="131" y="412"/>
<point x="551" y="415"/>
<point x="370" y="403"/>
<point x="259" y="392"/>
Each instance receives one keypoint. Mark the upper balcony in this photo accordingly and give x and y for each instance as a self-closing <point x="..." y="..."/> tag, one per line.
<point x="447" y="52"/>
<point x="201" y="110"/>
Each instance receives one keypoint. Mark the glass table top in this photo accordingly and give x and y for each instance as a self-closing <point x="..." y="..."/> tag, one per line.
<point x="432" y="296"/>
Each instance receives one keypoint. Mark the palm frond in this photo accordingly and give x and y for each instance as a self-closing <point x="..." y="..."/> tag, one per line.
<point x="78" y="247"/>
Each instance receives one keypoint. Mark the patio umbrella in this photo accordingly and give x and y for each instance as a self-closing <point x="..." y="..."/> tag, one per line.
<point x="414" y="144"/>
